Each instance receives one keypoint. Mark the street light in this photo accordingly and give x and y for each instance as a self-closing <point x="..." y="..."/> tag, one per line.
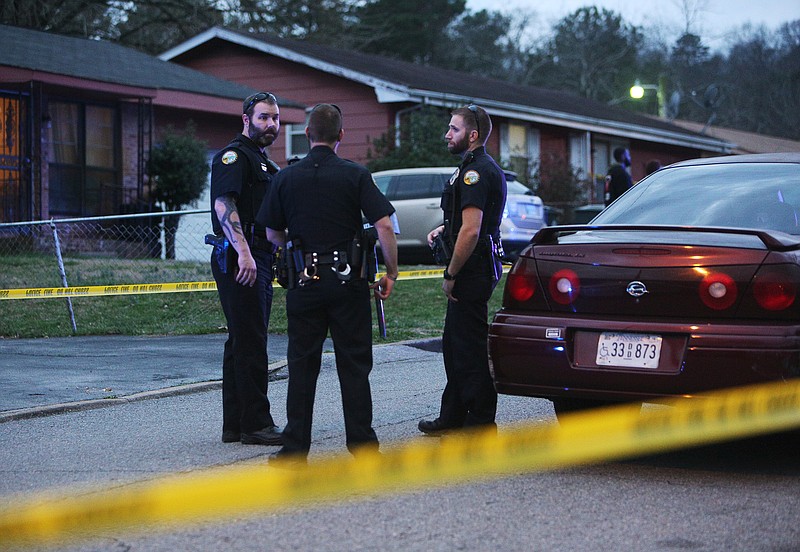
<point x="637" y="93"/>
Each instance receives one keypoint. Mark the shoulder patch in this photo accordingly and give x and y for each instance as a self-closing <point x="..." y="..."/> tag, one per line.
<point x="471" y="177"/>
<point x="229" y="157"/>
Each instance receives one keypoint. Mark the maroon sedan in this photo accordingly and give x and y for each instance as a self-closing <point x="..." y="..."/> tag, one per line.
<point x="688" y="282"/>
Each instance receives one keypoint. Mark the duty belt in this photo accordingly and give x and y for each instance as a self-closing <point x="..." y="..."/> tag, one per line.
<point x="257" y="239"/>
<point x="261" y="243"/>
<point x="331" y="258"/>
<point x="337" y="260"/>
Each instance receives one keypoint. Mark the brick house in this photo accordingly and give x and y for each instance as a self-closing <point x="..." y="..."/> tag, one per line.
<point x="375" y="93"/>
<point x="79" y="118"/>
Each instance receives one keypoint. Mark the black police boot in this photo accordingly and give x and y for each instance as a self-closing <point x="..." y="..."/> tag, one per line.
<point x="434" y="427"/>
<point x="269" y="436"/>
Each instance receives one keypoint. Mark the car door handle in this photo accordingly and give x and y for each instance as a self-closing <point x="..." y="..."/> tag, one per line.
<point x="432" y="206"/>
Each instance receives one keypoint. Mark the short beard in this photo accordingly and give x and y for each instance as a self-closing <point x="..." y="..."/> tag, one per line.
<point x="458" y="147"/>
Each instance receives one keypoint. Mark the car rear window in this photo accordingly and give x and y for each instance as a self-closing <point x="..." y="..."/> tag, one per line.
<point x="747" y="195"/>
<point x="415" y="186"/>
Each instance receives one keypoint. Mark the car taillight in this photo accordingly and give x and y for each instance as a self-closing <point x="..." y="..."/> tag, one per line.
<point x="773" y="289"/>
<point x="521" y="286"/>
<point x="718" y="291"/>
<point x="564" y="286"/>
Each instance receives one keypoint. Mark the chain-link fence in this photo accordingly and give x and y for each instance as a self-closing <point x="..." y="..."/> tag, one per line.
<point x="126" y="249"/>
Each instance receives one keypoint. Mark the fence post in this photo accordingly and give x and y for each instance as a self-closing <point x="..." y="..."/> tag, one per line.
<point x="63" y="274"/>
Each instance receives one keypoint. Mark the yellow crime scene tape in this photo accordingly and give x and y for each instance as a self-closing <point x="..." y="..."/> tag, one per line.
<point x="172" y="287"/>
<point x="255" y="488"/>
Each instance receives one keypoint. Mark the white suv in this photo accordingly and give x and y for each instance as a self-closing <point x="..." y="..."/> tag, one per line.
<point x="416" y="195"/>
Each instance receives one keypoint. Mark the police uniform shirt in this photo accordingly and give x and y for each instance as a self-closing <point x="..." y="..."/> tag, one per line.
<point x="320" y="199"/>
<point x="242" y="169"/>
<point x="482" y="184"/>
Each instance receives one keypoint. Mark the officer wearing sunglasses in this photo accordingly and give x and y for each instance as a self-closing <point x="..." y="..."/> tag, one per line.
<point x="472" y="204"/>
<point x="241" y="174"/>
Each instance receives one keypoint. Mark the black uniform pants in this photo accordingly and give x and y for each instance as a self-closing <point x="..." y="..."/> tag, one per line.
<point x="245" y="407"/>
<point x="469" y="397"/>
<point x="312" y="310"/>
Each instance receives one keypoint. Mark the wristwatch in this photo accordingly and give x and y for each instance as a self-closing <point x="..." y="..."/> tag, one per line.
<point x="448" y="276"/>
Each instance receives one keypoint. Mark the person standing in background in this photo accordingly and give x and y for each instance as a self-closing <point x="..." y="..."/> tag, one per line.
<point x="652" y="166"/>
<point x="618" y="179"/>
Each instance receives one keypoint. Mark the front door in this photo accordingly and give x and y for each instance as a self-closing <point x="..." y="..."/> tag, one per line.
<point x="15" y="196"/>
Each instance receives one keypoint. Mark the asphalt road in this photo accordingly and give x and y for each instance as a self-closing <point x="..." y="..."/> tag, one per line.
<point x="740" y="496"/>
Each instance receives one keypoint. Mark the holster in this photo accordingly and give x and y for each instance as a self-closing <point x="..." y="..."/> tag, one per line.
<point x="496" y="255"/>
<point x="281" y="269"/>
<point x="293" y="257"/>
<point x="442" y="250"/>
<point x="366" y="250"/>
<point x="292" y="266"/>
<point x="223" y="252"/>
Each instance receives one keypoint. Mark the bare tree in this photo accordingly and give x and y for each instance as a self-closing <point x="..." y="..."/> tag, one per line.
<point x="692" y="13"/>
<point x="593" y="53"/>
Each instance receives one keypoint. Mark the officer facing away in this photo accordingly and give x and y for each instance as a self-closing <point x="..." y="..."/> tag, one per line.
<point x="241" y="175"/>
<point x="315" y="211"/>
<point x="473" y="204"/>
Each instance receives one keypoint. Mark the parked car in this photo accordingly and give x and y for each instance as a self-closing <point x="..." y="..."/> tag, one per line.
<point x="688" y="282"/>
<point x="416" y="194"/>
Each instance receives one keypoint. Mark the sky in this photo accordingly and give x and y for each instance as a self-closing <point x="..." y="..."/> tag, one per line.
<point x="716" y="18"/>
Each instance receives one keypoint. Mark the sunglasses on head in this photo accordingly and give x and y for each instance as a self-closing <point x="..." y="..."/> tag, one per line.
<point x="260" y="97"/>
<point x="474" y="110"/>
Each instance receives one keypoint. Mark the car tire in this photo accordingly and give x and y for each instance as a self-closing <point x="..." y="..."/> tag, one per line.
<point x="564" y="406"/>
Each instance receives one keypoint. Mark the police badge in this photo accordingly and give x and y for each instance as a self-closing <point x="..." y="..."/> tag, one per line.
<point x="455" y="176"/>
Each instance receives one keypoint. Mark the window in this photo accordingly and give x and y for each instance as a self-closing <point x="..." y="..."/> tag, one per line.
<point x="579" y="153"/>
<point x="416" y="186"/>
<point x="519" y="148"/>
<point x="296" y="141"/>
<point x="83" y="160"/>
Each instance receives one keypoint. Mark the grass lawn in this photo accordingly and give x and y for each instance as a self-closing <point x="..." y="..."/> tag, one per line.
<point x="414" y="311"/>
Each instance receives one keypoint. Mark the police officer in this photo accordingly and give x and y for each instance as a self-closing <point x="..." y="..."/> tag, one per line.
<point x="317" y="204"/>
<point x="241" y="175"/>
<point x="473" y="204"/>
<point x="618" y="179"/>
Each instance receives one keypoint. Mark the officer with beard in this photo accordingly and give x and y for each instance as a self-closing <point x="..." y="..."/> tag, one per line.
<point x="473" y="204"/>
<point x="241" y="175"/>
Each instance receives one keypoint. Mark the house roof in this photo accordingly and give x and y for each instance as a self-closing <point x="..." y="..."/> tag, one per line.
<point x="40" y="56"/>
<point x="400" y="81"/>
<point x="746" y="142"/>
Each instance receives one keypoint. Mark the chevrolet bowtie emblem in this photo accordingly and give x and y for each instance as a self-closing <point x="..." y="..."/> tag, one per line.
<point x="636" y="289"/>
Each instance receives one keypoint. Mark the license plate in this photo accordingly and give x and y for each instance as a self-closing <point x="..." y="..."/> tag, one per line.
<point x="629" y="350"/>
